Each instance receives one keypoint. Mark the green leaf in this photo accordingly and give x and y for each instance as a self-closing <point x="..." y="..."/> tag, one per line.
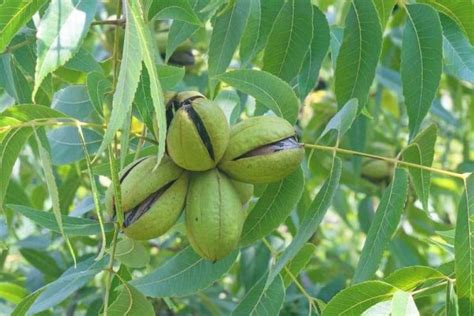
<point x="343" y="119"/>
<point x="60" y="34"/>
<point x="132" y="253"/>
<point x="12" y="292"/>
<point x="312" y="218"/>
<point x="403" y="304"/>
<point x="273" y="207"/>
<point x="407" y="279"/>
<point x="457" y="51"/>
<point x="127" y="82"/>
<point x="97" y="86"/>
<point x="359" y="53"/>
<point x="289" y="40"/>
<point x="383" y="226"/>
<point x="266" y="88"/>
<point x="173" y="9"/>
<point x="169" y="76"/>
<point x="384" y="9"/>
<point x="357" y="298"/>
<point x="148" y="52"/>
<point x="131" y="302"/>
<point x="41" y="261"/>
<point x="421" y="152"/>
<point x="183" y="274"/>
<point x="22" y="308"/>
<point x="69" y="282"/>
<point x="83" y="61"/>
<point x="226" y="33"/>
<point x="459" y="10"/>
<point x="337" y="34"/>
<point x="464" y="249"/>
<point x="261" y="300"/>
<point x="181" y="31"/>
<point x="260" y="22"/>
<point x="15" y="14"/>
<point x="298" y="263"/>
<point x="73" y="226"/>
<point x="451" y="300"/>
<point x="420" y="62"/>
<point x="315" y="55"/>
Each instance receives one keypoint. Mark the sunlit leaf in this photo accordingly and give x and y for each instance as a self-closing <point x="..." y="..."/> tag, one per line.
<point x="131" y="302"/>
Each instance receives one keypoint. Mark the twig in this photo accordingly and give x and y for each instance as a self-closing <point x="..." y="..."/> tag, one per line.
<point x="119" y="22"/>
<point x="108" y="278"/>
<point x="13" y="48"/>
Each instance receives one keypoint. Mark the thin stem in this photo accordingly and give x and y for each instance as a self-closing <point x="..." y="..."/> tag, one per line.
<point x="116" y="52"/>
<point x="119" y="22"/>
<point x="110" y="270"/>
<point x="17" y="46"/>
<point x="395" y="161"/>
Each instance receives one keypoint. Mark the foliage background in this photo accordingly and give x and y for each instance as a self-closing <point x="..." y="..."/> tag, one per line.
<point x="380" y="91"/>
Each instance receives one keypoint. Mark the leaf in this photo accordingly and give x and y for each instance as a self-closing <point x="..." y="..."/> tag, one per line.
<point x="266" y="88"/>
<point x="343" y="119"/>
<point x="181" y="31"/>
<point x="359" y="53"/>
<point x="73" y="226"/>
<point x="127" y="82"/>
<point x="131" y="302"/>
<point x="132" y="253"/>
<point x="260" y="22"/>
<point x="464" y="249"/>
<point x="261" y="300"/>
<point x="148" y="53"/>
<point x="183" y="274"/>
<point x="289" y="40"/>
<point x="12" y="292"/>
<point x="383" y="226"/>
<point x="459" y="10"/>
<point x="173" y="9"/>
<point x="273" y="207"/>
<point x="421" y="152"/>
<point x="226" y="33"/>
<point x="384" y="9"/>
<point x="83" y="61"/>
<point x="457" y="51"/>
<point x="357" y="298"/>
<point x="169" y="76"/>
<point x="68" y="283"/>
<point x="336" y="33"/>
<point x="315" y="55"/>
<point x="420" y="62"/>
<point x="41" y="261"/>
<point x="298" y="263"/>
<point x="22" y="307"/>
<point x="97" y="87"/>
<point x="254" y="260"/>
<point x="60" y="34"/>
<point x="312" y="218"/>
<point x="407" y="279"/>
<point x="451" y="300"/>
<point x="404" y="304"/>
<point x="15" y="14"/>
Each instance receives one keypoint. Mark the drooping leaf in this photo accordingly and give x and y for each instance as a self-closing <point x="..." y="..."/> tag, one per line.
<point x="226" y="33"/>
<point x="262" y="300"/>
<point x="41" y="261"/>
<point x="359" y="53"/>
<point x="73" y="226"/>
<point x="298" y="263"/>
<point x="97" y="86"/>
<point x="409" y="278"/>
<point x="148" y="53"/>
<point x="384" y="9"/>
<point x="127" y="81"/>
<point x="273" y="207"/>
<point x="420" y="62"/>
<point x="266" y="88"/>
<point x="22" y="307"/>
<point x="464" y="249"/>
<point x="131" y="302"/>
<point x="289" y="40"/>
<point x="343" y="119"/>
<point x="384" y="224"/>
<point x="70" y="281"/>
<point x="312" y="218"/>
<point x="183" y="274"/>
<point x="315" y="55"/>
<point x="60" y="34"/>
<point x="421" y="151"/>
<point x="356" y="299"/>
<point x="260" y="22"/>
<point x="459" y="10"/>
<point x="15" y="14"/>
<point x="173" y="9"/>
<point x="457" y="51"/>
<point x="132" y="253"/>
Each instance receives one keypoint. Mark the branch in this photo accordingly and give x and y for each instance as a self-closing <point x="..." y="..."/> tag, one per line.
<point x="119" y="22"/>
